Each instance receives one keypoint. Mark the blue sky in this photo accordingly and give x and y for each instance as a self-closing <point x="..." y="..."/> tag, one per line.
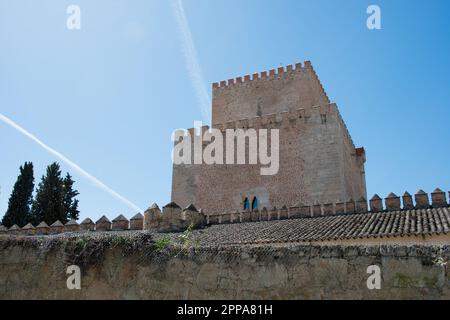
<point x="108" y="96"/>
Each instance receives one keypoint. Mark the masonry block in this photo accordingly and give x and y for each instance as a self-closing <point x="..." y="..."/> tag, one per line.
<point x="42" y="228"/>
<point x="103" y="224"/>
<point x="284" y="213"/>
<point x="120" y="223"/>
<point x="137" y="222"/>
<point x="214" y="219"/>
<point x="317" y="210"/>
<point x="246" y="216"/>
<point x="264" y="214"/>
<point x="152" y="217"/>
<point x="328" y="209"/>
<point x="392" y="202"/>
<point x="71" y="226"/>
<point x="350" y="207"/>
<point x="256" y="215"/>
<point x="340" y="208"/>
<point x="14" y="230"/>
<point x="195" y="218"/>
<point x="438" y="198"/>
<point x="235" y="217"/>
<point x="87" y="225"/>
<point x="29" y="230"/>
<point x="56" y="227"/>
<point x="407" y="201"/>
<point x="294" y="212"/>
<point x="226" y="217"/>
<point x="376" y="204"/>
<point x="305" y="211"/>
<point x="361" y="205"/>
<point x="422" y="200"/>
<point x="273" y="214"/>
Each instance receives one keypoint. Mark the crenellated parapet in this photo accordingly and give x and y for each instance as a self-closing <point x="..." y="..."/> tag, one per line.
<point x="87" y="225"/>
<point x="262" y="93"/>
<point x="391" y="203"/>
<point x="172" y="218"/>
<point x="289" y="71"/>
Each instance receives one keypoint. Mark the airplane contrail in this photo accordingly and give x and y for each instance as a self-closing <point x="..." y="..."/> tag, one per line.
<point x="192" y="64"/>
<point x="70" y="163"/>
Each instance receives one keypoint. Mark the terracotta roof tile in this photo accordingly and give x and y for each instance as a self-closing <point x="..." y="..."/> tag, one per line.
<point x="337" y="227"/>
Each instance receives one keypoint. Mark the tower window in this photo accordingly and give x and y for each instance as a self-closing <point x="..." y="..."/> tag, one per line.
<point x="255" y="204"/>
<point x="246" y="204"/>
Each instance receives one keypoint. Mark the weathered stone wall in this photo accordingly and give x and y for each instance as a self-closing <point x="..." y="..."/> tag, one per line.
<point x="121" y="269"/>
<point x="317" y="164"/>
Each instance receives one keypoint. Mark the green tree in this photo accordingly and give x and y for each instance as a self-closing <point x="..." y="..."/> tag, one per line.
<point x="48" y="204"/>
<point x="19" y="203"/>
<point x="70" y="203"/>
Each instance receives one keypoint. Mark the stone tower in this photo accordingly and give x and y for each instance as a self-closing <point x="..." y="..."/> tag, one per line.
<point x="318" y="162"/>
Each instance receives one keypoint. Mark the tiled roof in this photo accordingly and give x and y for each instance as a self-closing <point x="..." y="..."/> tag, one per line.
<point x="338" y="227"/>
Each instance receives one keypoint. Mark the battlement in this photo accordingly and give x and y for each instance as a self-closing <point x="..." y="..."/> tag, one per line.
<point x="289" y="70"/>
<point x="272" y="73"/>
<point x="277" y="90"/>
<point x="392" y="204"/>
<point x="175" y="219"/>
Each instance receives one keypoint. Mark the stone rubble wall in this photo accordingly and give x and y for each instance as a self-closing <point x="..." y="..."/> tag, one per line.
<point x="124" y="271"/>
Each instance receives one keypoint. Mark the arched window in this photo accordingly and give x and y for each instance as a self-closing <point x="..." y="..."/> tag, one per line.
<point x="246" y="204"/>
<point x="255" y="204"/>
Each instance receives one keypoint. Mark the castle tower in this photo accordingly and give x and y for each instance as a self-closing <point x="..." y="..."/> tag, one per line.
<point x="318" y="162"/>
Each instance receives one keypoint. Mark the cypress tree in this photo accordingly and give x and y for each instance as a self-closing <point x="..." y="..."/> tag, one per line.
<point x="70" y="203"/>
<point x="48" y="204"/>
<point x="19" y="203"/>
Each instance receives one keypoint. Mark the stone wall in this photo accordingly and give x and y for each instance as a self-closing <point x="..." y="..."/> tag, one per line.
<point x="318" y="163"/>
<point x="120" y="268"/>
<point x="275" y="91"/>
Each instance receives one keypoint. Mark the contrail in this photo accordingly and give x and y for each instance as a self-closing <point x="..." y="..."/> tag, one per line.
<point x="192" y="64"/>
<point x="70" y="163"/>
